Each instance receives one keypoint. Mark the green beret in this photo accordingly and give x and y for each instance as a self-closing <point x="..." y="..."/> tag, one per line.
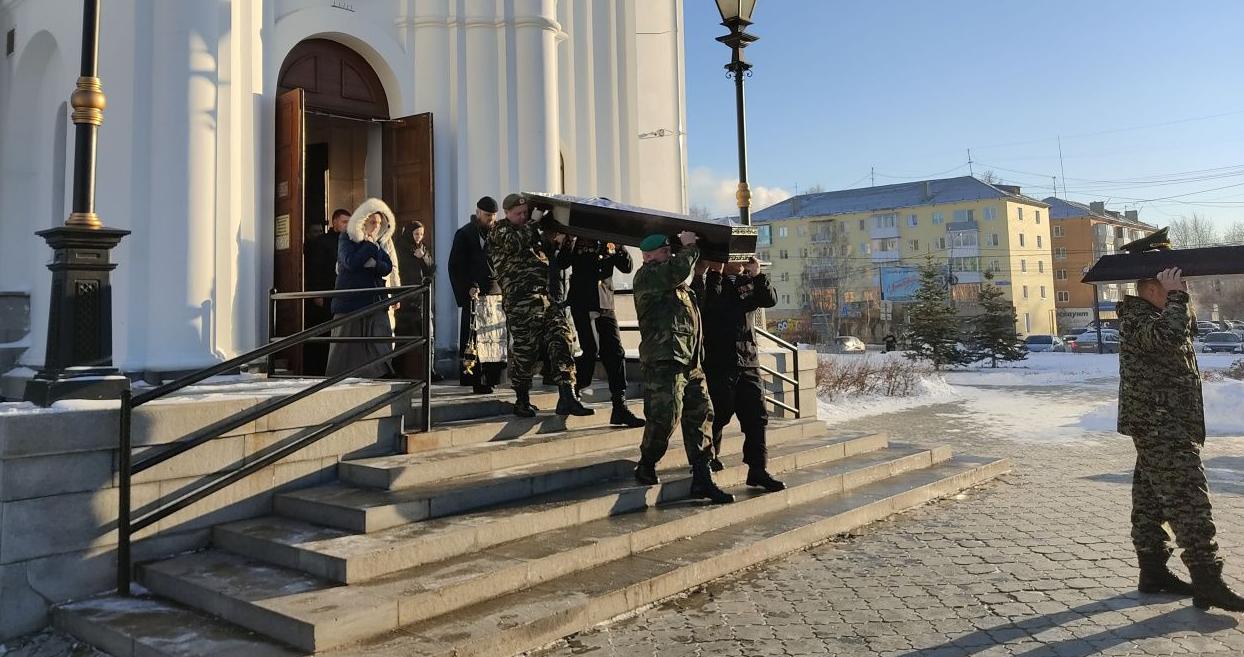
<point x="654" y="242"/>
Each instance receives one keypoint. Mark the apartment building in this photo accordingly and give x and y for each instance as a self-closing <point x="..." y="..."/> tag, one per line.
<point x="847" y="259"/>
<point x="1079" y="235"/>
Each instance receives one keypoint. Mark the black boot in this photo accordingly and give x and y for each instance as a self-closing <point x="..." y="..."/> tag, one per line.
<point x="479" y="389"/>
<point x="567" y="404"/>
<point x="760" y="478"/>
<point x="1155" y="577"/>
<point x="1208" y="589"/>
<point x="646" y="474"/>
<point x="623" y="415"/>
<point x="702" y="486"/>
<point x="522" y="402"/>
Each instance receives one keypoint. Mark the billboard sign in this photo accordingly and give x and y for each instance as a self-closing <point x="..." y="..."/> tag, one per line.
<point x="899" y="283"/>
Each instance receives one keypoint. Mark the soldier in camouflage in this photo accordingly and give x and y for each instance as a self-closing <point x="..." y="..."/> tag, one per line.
<point x="1160" y="407"/>
<point x="517" y="254"/>
<point x="671" y="353"/>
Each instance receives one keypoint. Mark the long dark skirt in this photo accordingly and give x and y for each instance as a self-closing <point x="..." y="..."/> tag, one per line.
<point x="344" y="355"/>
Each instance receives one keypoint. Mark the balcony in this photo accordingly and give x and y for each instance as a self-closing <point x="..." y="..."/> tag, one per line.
<point x="887" y="256"/>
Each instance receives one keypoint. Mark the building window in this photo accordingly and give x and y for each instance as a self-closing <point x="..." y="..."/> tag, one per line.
<point x="1021" y="239"/>
<point x="965" y="264"/>
<point x="1027" y="321"/>
<point x="786" y="299"/>
<point x="866" y="248"/>
<point x="1020" y="213"/>
<point x="995" y="266"/>
<point x="1042" y="291"/>
<point x="784" y="277"/>
<point x="963" y="238"/>
<point x="782" y="231"/>
<point x="913" y="220"/>
<point x="1041" y="266"/>
<point x="941" y="243"/>
<point x="1038" y="214"/>
<point x="1025" y="294"/>
<point x="1060" y="275"/>
<point x="993" y="239"/>
<point x="991" y="214"/>
<point x="848" y="297"/>
<point x="885" y="220"/>
<point x="913" y="245"/>
<point x="938" y="218"/>
<point x="861" y="224"/>
<point x="887" y="244"/>
<point x="1060" y="253"/>
<point x="965" y="215"/>
<point x="803" y="253"/>
<point x="1038" y="241"/>
<point x="1062" y="296"/>
<point x="1057" y="231"/>
<point x="782" y="254"/>
<point x="1023" y="266"/>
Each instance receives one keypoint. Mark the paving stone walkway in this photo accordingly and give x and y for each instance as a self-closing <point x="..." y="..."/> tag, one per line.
<point x="1037" y="563"/>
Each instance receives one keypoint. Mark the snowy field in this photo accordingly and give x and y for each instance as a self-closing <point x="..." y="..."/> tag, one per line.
<point x="1050" y="397"/>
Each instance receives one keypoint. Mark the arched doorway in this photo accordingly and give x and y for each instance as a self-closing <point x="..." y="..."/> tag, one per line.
<point x="337" y="145"/>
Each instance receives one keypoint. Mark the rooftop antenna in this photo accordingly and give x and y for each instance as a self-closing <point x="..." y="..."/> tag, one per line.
<point x="970" y="171"/>
<point x="1054" y="179"/>
<point x="1061" y="170"/>
<point x="872" y="176"/>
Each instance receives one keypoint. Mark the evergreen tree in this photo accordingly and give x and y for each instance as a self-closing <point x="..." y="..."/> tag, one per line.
<point x="932" y="329"/>
<point x="993" y="331"/>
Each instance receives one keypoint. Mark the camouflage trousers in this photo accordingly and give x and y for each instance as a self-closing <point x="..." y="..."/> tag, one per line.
<point x="1169" y="486"/>
<point x="532" y="321"/>
<point x="672" y="392"/>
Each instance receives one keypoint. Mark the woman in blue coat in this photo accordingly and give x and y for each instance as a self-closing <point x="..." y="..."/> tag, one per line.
<point x="365" y="259"/>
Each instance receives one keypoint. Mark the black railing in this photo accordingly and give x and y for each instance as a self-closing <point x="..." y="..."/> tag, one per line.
<point x="127" y="467"/>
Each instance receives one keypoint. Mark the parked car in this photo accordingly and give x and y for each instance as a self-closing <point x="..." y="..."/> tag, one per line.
<point x="1227" y="341"/>
<point x="1039" y="343"/>
<point x="1205" y="327"/>
<point x="1086" y="343"/>
<point x="848" y="344"/>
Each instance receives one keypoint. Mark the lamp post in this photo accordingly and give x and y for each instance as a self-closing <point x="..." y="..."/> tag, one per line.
<point x="78" y="361"/>
<point x="737" y="15"/>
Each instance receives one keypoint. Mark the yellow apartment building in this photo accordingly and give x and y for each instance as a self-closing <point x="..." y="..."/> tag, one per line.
<point x="846" y="260"/>
<point x="1080" y="234"/>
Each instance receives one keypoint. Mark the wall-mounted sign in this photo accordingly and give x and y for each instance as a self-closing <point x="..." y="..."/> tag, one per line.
<point x="281" y="232"/>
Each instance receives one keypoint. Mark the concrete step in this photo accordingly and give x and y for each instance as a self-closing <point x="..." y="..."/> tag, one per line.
<point x="317" y="614"/>
<point x="406" y="470"/>
<point x="506" y="427"/>
<point x="366" y="510"/>
<point x="346" y="557"/>
<point x="521" y="621"/>
<point x="455" y="403"/>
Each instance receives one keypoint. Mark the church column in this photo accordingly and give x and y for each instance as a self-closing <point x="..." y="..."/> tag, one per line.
<point x="480" y="114"/>
<point x="535" y="97"/>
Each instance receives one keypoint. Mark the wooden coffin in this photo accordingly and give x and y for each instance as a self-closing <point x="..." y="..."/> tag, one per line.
<point x="1213" y="261"/>
<point x="610" y="221"/>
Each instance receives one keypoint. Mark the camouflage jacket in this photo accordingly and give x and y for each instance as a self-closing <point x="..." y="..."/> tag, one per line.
<point x="518" y="256"/>
<point x="1159" y="381"/>
<point x="669" y="313"/>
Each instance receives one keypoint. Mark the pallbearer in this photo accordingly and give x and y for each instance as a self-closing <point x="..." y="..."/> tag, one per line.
<point x="671" y="353"/>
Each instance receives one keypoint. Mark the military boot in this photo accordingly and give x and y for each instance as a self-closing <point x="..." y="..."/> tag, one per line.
<point x="760" y="478"/>
<point x="567" y="404"/>
<point x="623" y="415"/>
<point x="646" y="474"/>
<point x="1155" y="577"/>
<point x="522" y="402"/>
<point x="702" y="486"/>
<point x="1208" y="589"/>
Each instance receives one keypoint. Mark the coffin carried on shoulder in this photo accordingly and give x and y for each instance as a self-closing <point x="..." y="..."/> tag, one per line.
<point x="609" y="221"/>
<point x="1212" y="261"/>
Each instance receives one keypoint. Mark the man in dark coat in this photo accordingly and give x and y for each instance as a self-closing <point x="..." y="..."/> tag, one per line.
<point x="732" y="293"/>
<point x="417" y="267"/>
<point x="471" y="274"/>
<point x="321" y="274"/>
<point x="591" y="306"/>
<point x="1161" y="408"/>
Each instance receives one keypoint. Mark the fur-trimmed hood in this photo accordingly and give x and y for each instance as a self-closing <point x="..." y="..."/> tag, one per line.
<point x="369" y="207"/>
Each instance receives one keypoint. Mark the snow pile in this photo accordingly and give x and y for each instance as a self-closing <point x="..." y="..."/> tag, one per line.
<point x="1223" y="400"/>
<point x="930" y="390"/>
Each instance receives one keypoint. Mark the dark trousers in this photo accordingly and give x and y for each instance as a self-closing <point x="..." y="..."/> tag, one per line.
<point x="1169" y="485"/>
<point x="484" y="374"/>
<point x="315" y="354"/>
<point x="599" y="337"/>
<point x="738" y="391"/>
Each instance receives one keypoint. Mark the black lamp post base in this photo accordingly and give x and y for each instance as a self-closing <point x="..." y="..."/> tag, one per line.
<point x="95" y="383"/>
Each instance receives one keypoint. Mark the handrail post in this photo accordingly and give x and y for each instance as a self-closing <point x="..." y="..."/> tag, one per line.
<point x="795" y="363"/>
<point x="429" y="350"/>
<point x="270" y="360"/>
<point x="123" y="495"/>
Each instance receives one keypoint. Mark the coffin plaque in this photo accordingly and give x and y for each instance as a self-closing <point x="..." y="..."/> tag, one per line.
<point x="1212" y="261"/>
<point x="609" y="221"/>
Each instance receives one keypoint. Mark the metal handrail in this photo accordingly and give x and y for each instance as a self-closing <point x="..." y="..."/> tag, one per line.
<point x="127" y="467"/>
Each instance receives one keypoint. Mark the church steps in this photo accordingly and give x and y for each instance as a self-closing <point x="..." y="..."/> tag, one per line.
<point x="346" y="557"/>
<point x="367" y="510"/>
<point x="453" y="403"/>
<point x="506" y="427"/>
<point x="508" y="624"/>
<point x="314" y="613"/>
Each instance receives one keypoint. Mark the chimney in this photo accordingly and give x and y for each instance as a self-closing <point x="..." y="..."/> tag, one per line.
<point x="928" y="189"/>
<point x="1132" y="215"/>
<point x="794" y="206"/>
<point x="1097" y="207"/>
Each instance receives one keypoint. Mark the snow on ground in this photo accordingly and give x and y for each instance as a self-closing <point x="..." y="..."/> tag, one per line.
<point x="1049" y="397"/>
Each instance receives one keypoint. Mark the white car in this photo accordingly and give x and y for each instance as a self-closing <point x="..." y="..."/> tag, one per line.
<point x="849" y="344"/>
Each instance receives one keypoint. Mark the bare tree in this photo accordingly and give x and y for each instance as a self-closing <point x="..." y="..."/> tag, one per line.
<point x="989" y="177"/>
<point x="1193" y="230"/>
<point x="815" y="189"/>
<point x="1234" y="234"/>
<point x="699" y="212"/>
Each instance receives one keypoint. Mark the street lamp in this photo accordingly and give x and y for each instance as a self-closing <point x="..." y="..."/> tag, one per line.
<point x="78" y="361"/>
<point x="737" y="15"/>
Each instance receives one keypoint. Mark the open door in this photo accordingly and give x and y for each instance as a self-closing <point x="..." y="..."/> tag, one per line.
<point x="408" y="188"/>
<point x="288" y="224"/>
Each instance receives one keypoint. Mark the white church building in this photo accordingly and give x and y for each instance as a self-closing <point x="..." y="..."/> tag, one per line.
<point x="233" y="127"/>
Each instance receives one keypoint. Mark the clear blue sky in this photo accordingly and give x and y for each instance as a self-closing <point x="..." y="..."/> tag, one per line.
<point x="1138" y="90"/>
